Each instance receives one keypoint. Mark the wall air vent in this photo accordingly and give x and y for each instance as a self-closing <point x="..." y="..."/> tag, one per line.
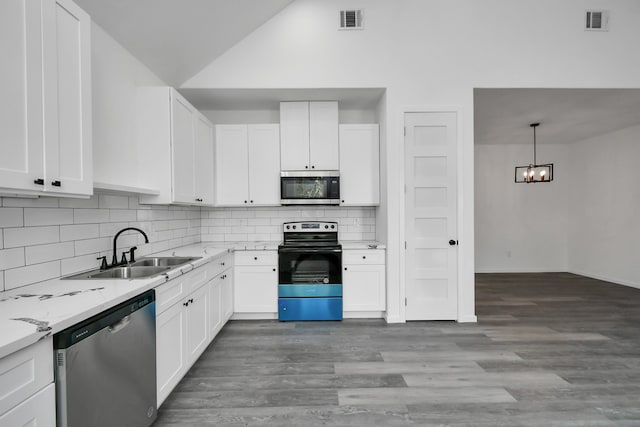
<point x="351" y="19"/>
<point x="597" y="20"/>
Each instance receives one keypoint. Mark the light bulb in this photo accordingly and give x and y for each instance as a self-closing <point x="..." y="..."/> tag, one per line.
<point x="524" y="174"/>
<point x="532" y="172"/>
<point x="543" y="172"/>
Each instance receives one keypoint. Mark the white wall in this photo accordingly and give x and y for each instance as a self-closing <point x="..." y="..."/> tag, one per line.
<point x="520" y="227"/>
<point x="432" y="54"/>
<point x="604" y="207"/>
<point x="115" y="76"/>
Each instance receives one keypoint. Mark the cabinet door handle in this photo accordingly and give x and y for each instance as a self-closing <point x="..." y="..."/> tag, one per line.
<point x="198" y="200"/>
<point x="186" y="304"/>
<point x="56" y="183"/>
<point x="38" y="181"/>
<point x="191" y="300"/>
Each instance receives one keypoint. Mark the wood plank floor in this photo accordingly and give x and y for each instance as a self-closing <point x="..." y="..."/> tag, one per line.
<point x="551" y="349"/>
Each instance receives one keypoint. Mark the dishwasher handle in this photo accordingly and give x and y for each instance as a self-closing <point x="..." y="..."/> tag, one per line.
<point x="120" y="324"/>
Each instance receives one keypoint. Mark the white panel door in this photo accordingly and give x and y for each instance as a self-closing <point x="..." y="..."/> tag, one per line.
<point x="182" y="149"/>
<point x="232" y="166"/>
<point x="323" y="135"/>
<point x="171" y="346"/>
<point x="21" y="122"/>
<point x="359" y="165"/>
<point x="197" y="323"/>
<point x="67" y="98"/>
<point x="264" y="164"/>
<point x="430" y="223"/>
<point x="294" y="135"/>
<point x="203" y="161"/>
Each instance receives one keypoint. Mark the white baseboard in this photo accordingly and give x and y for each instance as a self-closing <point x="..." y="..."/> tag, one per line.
<point x="605" y="278"/>
<point x="393" y="319"/>
<point x="363" y="315"/>
<point x="518" y="270"/>
<point x="468" y="319"/>
<point x="254" y="316"/>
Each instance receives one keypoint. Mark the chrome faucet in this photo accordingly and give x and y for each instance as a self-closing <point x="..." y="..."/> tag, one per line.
<point x="114" y="260"/>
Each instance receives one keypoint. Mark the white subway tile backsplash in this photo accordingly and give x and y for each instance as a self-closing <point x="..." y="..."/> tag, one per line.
<point x="11" y="217"/>
<point x="110" y="229"/>
<point x="51" y="252"/>
<point x="83" y="247"/>
<point x="109" y="201"/>
<point x="41" y="202"/>
<point x="90" y="216"/>
<point x="11" y="258"/>
<point x="79" y="263"/>
<point x="2" y="281"/>
<point x="116" y="215"/>
<point x="91" y="203"/>
<point x="17" y="277"/>
<point x="1" y="238"/>
<point x="47" y="216"/>
<point x="79" y="232"/>
<point x="27" y="236"/>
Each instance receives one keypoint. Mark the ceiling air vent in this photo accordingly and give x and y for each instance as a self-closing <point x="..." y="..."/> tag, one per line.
<point x="351" y="19"/>
<point x="597" y="20"/>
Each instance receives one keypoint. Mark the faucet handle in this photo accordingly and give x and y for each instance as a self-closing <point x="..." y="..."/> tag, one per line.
<point x="124" y="258"/>
<point x="103" y="264"/>
<point x="132" y="257"/>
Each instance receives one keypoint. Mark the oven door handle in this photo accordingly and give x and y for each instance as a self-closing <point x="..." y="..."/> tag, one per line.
<point x="309" y="251"/>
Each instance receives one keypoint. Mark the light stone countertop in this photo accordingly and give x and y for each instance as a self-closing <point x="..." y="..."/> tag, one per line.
<point x="31" y="313"/>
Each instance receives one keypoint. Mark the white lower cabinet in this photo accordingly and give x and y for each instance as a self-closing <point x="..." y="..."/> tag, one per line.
<point x="39" y="410"/>
<point x="221" y="298"/>
<point x="171" y="349"/>
<point x="27" y="395"/>
<point x="181" y="328"/>
<point x="363" y="281"/>
<point x="255" y="288"/>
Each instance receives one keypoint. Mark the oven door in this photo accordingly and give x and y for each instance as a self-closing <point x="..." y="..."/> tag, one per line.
<point x="309" y="272"/>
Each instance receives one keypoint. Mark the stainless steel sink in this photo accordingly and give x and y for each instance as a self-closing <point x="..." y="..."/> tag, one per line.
<point x="128" y="273"/>
<point x="141" y="269"/>
<point x="163" y="261"/>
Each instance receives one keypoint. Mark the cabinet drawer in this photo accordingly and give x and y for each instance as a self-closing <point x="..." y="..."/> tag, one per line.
<point x="217" y="266"/>
<point x="256" y="258"/>
<point x="368" y="256"/>
<point x="25" y="372"/>
<point x="170" y="293"/>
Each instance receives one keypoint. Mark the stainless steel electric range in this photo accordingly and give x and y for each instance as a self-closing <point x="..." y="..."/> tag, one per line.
<point x="310" y="272"/>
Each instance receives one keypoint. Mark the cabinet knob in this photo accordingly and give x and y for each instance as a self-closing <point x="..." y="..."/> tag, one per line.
<point x="198" y="200"/>
<point x="342" y="201"/>
<point x="191" y="300"/>
<point x="274" y="269"/>
<point x="313" y="167"/>
<point x="245" y="201"/>
<point x="186" y="304"/>
<point x="453" y="242"/>
<point x="345" y="269"/>
<point x="56" y="183"/>
<point x="38" y="181"/>
<point x="222" y="264"/>
<point x="306" y="167"/>
<point x="364" y="257"/>
<point x="250" y="201"/>
<point x="255" y="257"/>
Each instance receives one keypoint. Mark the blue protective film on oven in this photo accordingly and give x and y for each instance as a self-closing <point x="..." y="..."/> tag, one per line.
<point x="290" y="309"/>
<point x="310" y="290"/>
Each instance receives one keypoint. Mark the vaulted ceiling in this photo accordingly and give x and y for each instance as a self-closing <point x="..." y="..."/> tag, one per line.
<point x="177" y="38"/>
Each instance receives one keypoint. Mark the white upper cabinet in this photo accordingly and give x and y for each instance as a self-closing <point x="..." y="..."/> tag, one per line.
<point x="247" y="171"/>
<point x="309" y="135"/>
<point x="45" y="119"/>
<point x="359" y="165"/>
<point x="176" y="142"/>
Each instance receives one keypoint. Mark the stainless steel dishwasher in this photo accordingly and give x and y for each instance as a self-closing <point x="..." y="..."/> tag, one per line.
<point x="106" y="367"/>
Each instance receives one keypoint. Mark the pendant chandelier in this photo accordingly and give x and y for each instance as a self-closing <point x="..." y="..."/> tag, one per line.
<point x="534" y="172"/>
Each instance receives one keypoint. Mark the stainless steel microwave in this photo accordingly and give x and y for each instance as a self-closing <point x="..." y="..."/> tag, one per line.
<point x="310" y="188"/>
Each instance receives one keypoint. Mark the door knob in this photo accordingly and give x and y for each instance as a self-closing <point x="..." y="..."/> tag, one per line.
<point x="453" y="242"/>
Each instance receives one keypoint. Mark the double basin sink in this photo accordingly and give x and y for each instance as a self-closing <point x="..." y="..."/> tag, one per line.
<point x="141" y="269"/>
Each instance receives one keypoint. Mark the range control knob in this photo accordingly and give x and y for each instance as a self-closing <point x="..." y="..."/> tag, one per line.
<point x="333" y="226"/>
<point x="326" y="226"/>
<point x="288" y="227"/>
<point x="294" y="227"/>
